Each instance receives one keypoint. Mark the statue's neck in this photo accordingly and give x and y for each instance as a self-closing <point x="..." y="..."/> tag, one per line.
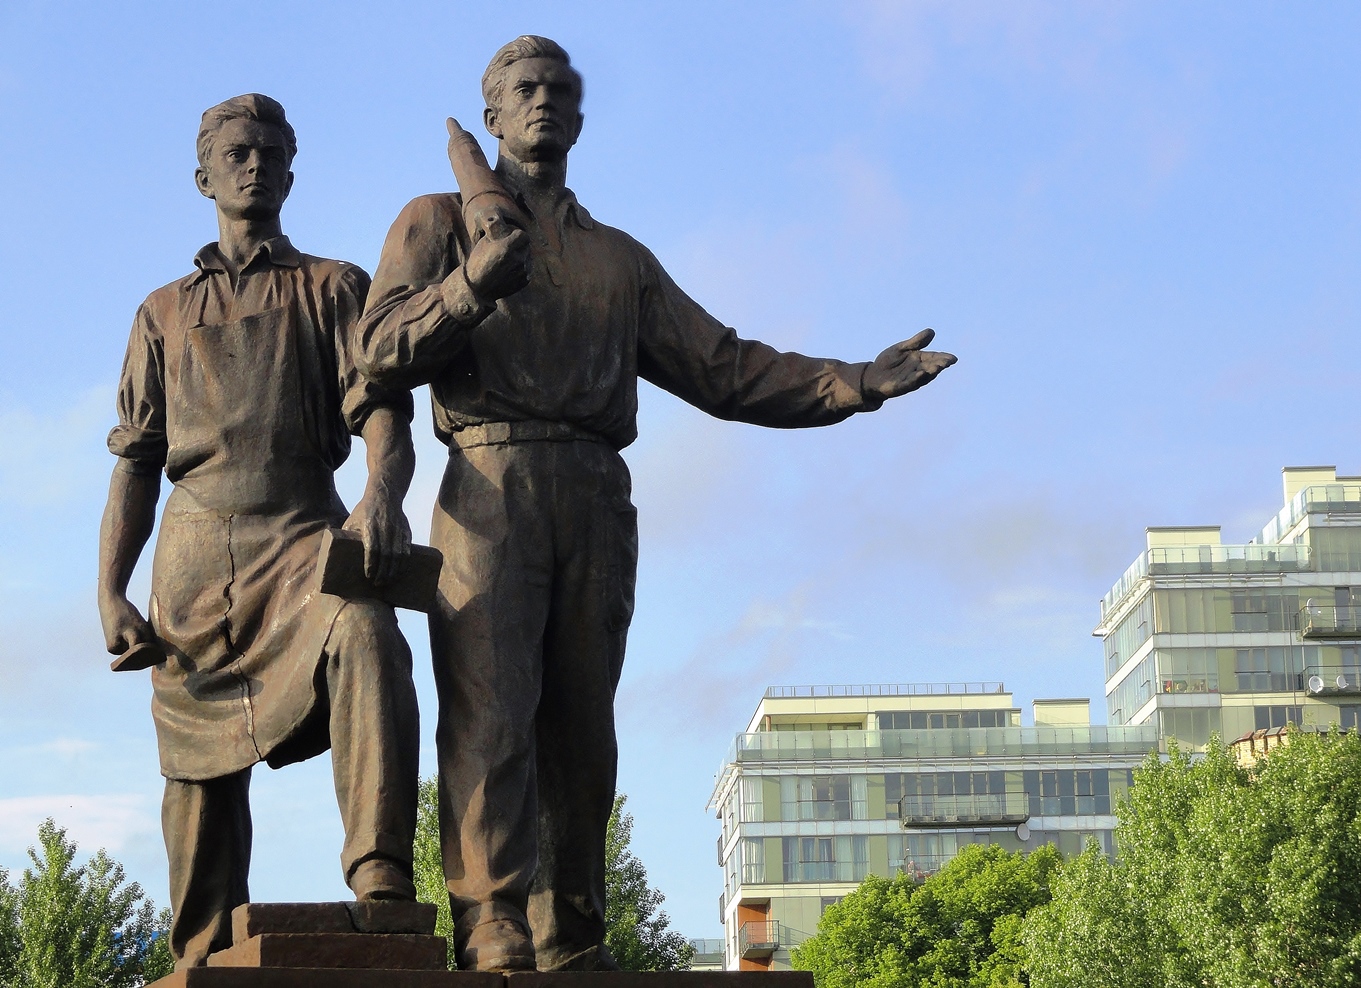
<point x="238" y="238"/>
<point x="540" y="182"/>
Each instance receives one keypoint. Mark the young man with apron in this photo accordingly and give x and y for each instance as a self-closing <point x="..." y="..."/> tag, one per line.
<point x="239" y="384"/>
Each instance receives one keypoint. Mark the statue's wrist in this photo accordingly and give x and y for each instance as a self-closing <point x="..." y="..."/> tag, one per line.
<point x="870" y="396"/>
<point x="461" y="299"/>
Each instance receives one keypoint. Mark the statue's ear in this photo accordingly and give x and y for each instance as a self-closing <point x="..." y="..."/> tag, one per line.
<point x="203" y="182"/>
<point x="493" y="124"/>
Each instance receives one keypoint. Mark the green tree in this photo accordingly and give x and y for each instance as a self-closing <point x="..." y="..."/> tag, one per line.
<point x="635" y="931"/>
<point x="1225" y="877"/>
<point x="78" y="927"/>
<point x="427" y="861"/>
<point x="960" y="928"/>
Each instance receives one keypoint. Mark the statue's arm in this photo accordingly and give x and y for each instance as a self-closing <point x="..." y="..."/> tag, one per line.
<point x="129" y="517"/>
<point x="139" y="442"/>
<point x="428" y="294"/>
<point x="684" y="350"/>
<point x="378" y="517"/>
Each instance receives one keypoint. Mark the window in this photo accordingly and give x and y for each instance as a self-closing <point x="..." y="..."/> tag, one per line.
<point x="825" y="859"/>
<point x="1191" y="726"/>
<point x="825" y="797"/>
<point x="1068" y="792"/>
<point x="924" y="720"/>
<point x="1268" y="718"/>
<point x="1276" y="669"/>
<point x="1128" y="635"/>
<point x="1350" y="716"/>
<point x="753" y="806"/>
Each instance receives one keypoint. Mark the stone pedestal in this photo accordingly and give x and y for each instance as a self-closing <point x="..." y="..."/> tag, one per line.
<point x="392" y="945"/>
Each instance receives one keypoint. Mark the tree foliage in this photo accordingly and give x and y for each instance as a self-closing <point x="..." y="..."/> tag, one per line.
<point x="960" y="928"/>
<point x="636" y="932"/>
<point x="1225" y="877"/>
<point x="64" y="926"/>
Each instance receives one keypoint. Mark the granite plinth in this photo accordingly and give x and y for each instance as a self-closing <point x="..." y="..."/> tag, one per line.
<point x="278" y="977"/>
<point x="324" y="977"/>
<point x="255" y="918"/>
<point x="660" y="979"/>
<point x="386" y="951"/>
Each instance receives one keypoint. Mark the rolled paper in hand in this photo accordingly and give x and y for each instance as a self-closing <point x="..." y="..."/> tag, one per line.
<point x="488" y="209"/>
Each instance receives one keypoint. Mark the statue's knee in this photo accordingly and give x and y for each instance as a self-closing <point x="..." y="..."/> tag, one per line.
<point x="365" y="632"/>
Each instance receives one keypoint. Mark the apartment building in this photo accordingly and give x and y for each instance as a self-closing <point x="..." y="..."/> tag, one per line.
<point x="1204" y="638"/>
<point x="829" y="784"/>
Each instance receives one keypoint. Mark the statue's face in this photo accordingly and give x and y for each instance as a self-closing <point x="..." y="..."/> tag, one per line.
<point x="247" y="171"/>
<point x="539" y="118"/>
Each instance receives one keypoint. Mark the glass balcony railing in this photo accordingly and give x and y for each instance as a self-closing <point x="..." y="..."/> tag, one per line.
<point x="1330" y="621"/>
<point x="1182" y="560"/>
<point x="1318" y="499"/>
<point x="1323" y="680"/>
<point x="892" y="689"/>
<point x="1096" y="739"/>
<point x="825" y="871"/>
<point x="916" y="810"/>
<point x="921" y="866"/>
<point x="708" y="952"/>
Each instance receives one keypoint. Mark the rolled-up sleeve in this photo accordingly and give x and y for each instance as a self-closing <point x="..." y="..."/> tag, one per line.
<point x="412" y="328"/>
<point x="359" y="394"/>
<point x="139" y="437"/>
<point x="689" y="353"/>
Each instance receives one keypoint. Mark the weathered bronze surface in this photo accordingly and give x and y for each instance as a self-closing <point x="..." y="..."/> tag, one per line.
<point x="240" y="384"/>
<point x="532" y="325"/>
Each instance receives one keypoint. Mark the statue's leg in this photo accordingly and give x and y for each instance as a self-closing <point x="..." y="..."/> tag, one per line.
<point x="207" y="839"/>
<point x="577" y="752"/>
<point x="375" y="747"/>
<point x="492" y="522"/>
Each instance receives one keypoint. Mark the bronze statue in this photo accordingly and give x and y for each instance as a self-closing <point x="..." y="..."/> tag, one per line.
<point x="240" y="384"/>
<point x="532" y="341"/>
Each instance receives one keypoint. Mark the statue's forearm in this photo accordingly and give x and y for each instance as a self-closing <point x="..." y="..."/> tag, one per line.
<point x="129" y="517"/>
<point x="390" y="455"/>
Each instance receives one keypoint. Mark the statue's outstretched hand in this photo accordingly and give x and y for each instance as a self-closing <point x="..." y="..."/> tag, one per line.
<point x="905" y="367"/>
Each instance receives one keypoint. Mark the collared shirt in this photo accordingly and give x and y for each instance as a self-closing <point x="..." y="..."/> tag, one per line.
<point x="327" y="295"/>
<point x="597" y="314"/>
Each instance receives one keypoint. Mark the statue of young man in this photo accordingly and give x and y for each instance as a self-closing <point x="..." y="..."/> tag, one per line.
<point x="533" y="343"/>
<point x="240" y="384"/>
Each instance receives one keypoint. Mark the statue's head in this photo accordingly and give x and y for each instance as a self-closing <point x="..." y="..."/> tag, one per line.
<point x="245" y="150"/>
<point x="533" y="99"/>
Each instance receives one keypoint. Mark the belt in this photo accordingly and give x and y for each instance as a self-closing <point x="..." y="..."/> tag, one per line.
<point x="527" y="431"/>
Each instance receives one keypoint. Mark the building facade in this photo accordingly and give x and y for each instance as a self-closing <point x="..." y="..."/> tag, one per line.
<point x="1203" y="638"/>
<point x="830" y="784"/>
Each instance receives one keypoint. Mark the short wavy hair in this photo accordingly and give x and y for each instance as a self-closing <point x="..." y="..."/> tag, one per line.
<point x="251" y="106"/>
<point x="525" y="46"/>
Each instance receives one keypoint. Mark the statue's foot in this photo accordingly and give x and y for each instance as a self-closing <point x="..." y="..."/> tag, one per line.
<point x="500" y="946"/>
<point x="379" y="879"/>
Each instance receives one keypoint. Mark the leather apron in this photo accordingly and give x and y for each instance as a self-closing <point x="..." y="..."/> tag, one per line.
<point x="233" y="579"/>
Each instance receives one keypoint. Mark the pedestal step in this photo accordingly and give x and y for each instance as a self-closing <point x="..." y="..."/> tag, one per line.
<point x="386" y="951"/>
<point x="255" y="918"/>
<point x="278" y="977"/>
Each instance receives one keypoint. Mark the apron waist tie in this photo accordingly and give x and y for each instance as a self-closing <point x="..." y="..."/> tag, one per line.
<point x="527" y="431"/>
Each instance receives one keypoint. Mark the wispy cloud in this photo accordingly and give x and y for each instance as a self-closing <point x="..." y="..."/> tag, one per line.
<point x="52" y="457"/>
<point x="111" y="821"/>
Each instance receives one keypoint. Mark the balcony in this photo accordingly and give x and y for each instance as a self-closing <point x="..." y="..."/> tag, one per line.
<point x="922" y="866"/>
<point x="990" y="809"/>
<point x="1330" y="621"/>
<point x="758" y="938"/>
<point x="708" y="953"/>
<point x="1190" y="560"/>
<point x="892" y="689"/>
<point x="1333" y="680"/>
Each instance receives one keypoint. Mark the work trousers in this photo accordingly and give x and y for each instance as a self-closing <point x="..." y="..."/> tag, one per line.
<point x="367" y="706"/>
<point x="540" y="545"/>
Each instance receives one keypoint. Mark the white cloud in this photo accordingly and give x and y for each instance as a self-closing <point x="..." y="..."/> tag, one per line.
<point x="111" y="821"/>
<point x="52" y="457"/>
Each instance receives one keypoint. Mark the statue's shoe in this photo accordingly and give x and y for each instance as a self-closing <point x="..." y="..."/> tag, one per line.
<point x="379" y="879"/>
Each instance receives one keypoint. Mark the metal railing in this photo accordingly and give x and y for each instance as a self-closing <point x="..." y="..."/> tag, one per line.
<point x="758" y="938"/>
<point x="1330" y="620"/>
<point x="920" y="866"/>
<point x="916" y="810"/>
<point x="899" y="689"/>
<point x="1322" y="679"/>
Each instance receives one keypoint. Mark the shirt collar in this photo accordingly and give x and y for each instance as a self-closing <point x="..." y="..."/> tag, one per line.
<point x="279" y="250"/>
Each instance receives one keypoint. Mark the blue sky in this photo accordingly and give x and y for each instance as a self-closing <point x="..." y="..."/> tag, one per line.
<point x="1136" y="224"/>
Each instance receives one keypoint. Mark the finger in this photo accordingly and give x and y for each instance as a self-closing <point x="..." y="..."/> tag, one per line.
<point x="452" y="126"/>
<point x="922" y="339"/>
<point x="372" y="556"/>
